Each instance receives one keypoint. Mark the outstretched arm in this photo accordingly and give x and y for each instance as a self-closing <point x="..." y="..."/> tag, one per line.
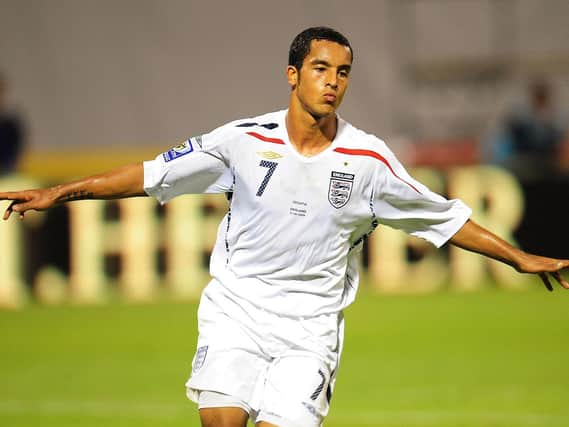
<point x="475" y="238"/>
<point x="126" y="181"/>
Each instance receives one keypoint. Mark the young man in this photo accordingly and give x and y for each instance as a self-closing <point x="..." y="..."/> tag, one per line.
<point x="307" y="188"/>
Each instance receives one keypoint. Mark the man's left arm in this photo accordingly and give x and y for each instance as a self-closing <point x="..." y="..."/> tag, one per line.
<point x="475" y="238"/>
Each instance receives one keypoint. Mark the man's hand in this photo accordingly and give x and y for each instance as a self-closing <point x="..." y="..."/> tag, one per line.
<point x="475" y="238"/>
<point x="23" y="201"/>
<point x="544" y="267"/>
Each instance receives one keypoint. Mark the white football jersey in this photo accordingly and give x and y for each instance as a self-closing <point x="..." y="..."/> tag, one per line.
<point x="288" y="242"/>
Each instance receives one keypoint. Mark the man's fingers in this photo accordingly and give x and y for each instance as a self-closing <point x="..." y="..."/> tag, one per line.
<point x="9" y="210"/>
<point x="7" y="213"/>
<point x="560" y="279"/>
<point x="13" y="195"/>
<point x="20" y="207"/>
<point x="546" y="281"/>
<point x="17" y="198"/>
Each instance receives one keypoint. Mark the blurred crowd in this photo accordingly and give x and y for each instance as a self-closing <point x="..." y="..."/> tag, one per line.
<point x="531" y="137"/>
<point x="12" y="133"/>
<point x="531" y="142"/>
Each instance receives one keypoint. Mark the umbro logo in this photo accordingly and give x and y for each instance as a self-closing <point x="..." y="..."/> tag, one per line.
<point x="270" y="155"/>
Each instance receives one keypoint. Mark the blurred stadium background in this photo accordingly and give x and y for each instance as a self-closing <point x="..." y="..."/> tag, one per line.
<point x="98" y="300"/>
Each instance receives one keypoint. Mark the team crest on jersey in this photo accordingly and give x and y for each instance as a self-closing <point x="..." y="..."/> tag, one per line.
<point x="178" y="151"/>
<point x="199" y="359"/>
<point x="340" y="188"/>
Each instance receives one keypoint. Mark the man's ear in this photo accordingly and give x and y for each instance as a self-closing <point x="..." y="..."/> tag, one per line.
<point x="292" y="76"/>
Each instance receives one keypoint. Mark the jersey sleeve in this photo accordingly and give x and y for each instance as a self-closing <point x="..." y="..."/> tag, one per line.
<point x="403" y="203"/>
<point x="199" y="165"/>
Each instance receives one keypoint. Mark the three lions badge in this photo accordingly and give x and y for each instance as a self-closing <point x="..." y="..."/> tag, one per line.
<point x="340" y="188"/>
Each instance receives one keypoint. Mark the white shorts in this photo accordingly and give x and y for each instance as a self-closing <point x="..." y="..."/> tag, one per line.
<point x="281" y="369"/>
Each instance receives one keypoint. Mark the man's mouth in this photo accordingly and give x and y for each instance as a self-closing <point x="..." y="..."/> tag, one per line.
<point x="330" y="97"/>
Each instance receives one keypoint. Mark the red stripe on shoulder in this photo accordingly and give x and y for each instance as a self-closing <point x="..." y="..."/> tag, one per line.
<point x="370" y="153"/>
<point x="266" y="138"/>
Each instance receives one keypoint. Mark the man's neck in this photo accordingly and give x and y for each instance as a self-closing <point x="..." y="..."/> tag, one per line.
<point x="309" y="135"/>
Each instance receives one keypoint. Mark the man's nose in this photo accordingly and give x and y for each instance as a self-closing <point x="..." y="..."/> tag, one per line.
<point x="332" y="80"/>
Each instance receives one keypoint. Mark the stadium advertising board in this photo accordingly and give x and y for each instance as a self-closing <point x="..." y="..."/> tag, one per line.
<point x="164" y="250"/>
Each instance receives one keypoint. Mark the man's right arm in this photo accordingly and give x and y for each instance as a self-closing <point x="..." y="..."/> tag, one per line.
<point x="125" y="181"/>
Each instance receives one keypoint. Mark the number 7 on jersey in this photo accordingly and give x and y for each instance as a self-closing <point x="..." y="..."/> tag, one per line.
<point x="271" y="166"/>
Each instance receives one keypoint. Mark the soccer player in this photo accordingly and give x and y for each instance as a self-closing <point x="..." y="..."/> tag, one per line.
<point x="306" y="189"/>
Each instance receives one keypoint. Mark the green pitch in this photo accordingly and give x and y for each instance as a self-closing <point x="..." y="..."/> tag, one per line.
<point x="491" y="359"/>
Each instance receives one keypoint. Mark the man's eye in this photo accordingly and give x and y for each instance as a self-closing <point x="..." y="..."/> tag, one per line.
<point x="343" y="74"/>
<point x="320" y="69"/>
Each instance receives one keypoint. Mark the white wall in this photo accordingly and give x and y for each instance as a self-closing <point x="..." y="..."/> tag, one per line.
<point x="153" y="72"/>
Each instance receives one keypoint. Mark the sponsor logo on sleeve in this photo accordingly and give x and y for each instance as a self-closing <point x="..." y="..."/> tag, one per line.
<point x="178" y="151"/>
<point x="340" y="188"/>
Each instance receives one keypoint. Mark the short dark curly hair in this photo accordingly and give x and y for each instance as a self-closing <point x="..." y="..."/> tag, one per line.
<point x="300" y="46"/>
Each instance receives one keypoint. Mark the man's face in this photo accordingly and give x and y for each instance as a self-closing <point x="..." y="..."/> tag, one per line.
<point x="323" y="79"/>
